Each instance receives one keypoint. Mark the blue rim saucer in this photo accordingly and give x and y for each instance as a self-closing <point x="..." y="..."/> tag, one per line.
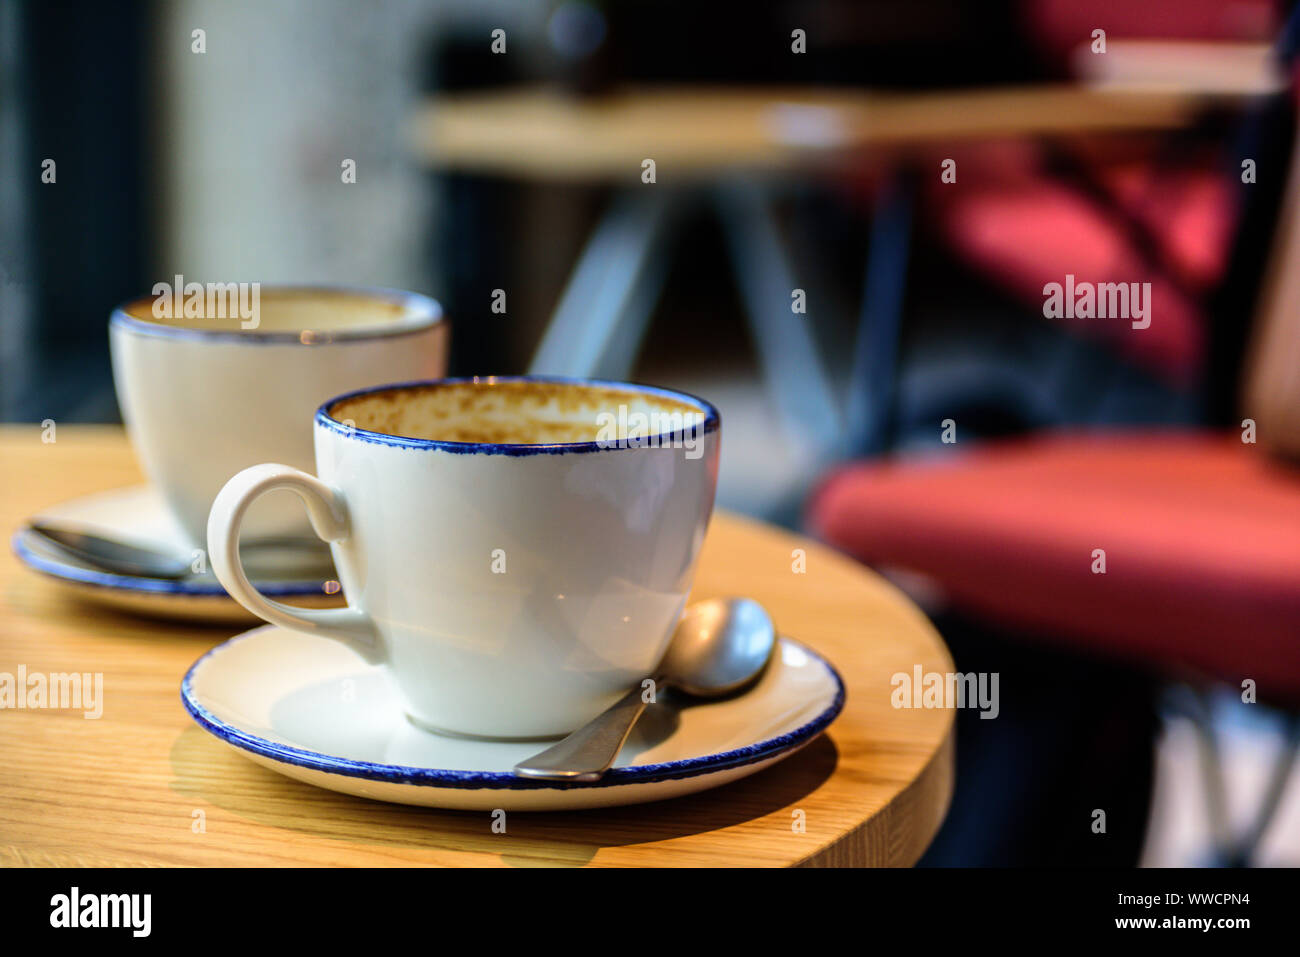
<point x="799" y="680"/>
<point x="137" y="513"/>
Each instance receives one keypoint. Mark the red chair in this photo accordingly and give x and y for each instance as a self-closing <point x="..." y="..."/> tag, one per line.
<point x="1200" y="537"/>
<point x="1175" y="550"/>
<point x="1199" y="532"/>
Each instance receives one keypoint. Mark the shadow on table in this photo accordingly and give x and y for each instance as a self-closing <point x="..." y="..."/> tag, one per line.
<point x="208" y="771"/>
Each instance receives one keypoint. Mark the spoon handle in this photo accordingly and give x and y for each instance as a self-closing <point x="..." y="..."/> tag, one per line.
<point x="587" y="753"/>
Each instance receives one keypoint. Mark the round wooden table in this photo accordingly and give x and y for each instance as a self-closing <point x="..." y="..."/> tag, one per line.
<point x="144" y="786"/>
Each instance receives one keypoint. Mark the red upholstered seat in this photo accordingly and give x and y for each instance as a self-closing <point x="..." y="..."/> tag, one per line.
<point x="1201" y="537"/>
<point x="1035" y="232"/>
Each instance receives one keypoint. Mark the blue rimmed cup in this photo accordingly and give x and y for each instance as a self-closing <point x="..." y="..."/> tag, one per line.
<point x="211" y="381"/>
<point x="516" y="551"/>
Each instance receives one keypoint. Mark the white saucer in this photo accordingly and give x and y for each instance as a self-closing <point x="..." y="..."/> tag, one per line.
<point x="312" y="710"/>
<point x="138" y="515"/>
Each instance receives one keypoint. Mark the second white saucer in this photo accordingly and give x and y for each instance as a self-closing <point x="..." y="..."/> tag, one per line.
<point x="138" y="514"/>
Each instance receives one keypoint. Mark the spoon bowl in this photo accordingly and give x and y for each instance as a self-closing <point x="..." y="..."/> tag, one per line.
<point x="719" y="646"/>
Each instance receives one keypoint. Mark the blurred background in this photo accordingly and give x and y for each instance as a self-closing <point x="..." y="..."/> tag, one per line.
<point x="843" y="242"/>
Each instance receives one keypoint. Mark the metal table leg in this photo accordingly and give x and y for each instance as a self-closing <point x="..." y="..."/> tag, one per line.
<point x="597" y="327"/>
<point x="787" y="350"/>
<point x="872" y="383"/>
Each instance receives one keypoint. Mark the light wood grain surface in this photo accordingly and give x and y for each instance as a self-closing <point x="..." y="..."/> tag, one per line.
<point x="126" y="789"/>
<point x="544" y="133"/>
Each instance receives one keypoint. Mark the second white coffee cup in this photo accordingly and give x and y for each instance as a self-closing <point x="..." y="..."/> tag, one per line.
<point x="204" y="396"/>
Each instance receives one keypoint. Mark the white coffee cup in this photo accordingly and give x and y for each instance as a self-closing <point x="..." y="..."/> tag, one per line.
<point x="205" y="397"/>
<point x="514" y="587"/>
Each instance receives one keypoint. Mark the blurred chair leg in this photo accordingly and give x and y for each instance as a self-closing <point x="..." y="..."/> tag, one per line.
<point x="875" y="353"/>
<point x="1231" y="851"/>
<point x="1281" y="773"/>
<point x="597" y="327"/>
<point x="792" y="369"/>
<point x="1201" y="713"/>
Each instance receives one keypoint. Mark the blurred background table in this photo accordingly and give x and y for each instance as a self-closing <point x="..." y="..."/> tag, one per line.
<point x="734" y="149"/>
<point x="128" y="788"/>
<point x="542" y="132"/>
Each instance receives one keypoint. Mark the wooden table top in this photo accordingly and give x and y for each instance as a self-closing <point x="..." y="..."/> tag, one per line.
<point x="125" y="789"/>
<point x="538" y="132"/>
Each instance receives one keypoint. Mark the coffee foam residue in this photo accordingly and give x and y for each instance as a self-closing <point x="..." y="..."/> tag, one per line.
<point x="513" y="413"/>
<point x="282" y="310"/>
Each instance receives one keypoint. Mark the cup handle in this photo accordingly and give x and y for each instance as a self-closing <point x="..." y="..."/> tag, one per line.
<point x="329" y="517"/>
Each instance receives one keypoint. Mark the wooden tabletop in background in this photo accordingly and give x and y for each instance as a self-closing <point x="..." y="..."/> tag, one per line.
<point x="544" y="132"/>
<point x="124" y="789"/>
